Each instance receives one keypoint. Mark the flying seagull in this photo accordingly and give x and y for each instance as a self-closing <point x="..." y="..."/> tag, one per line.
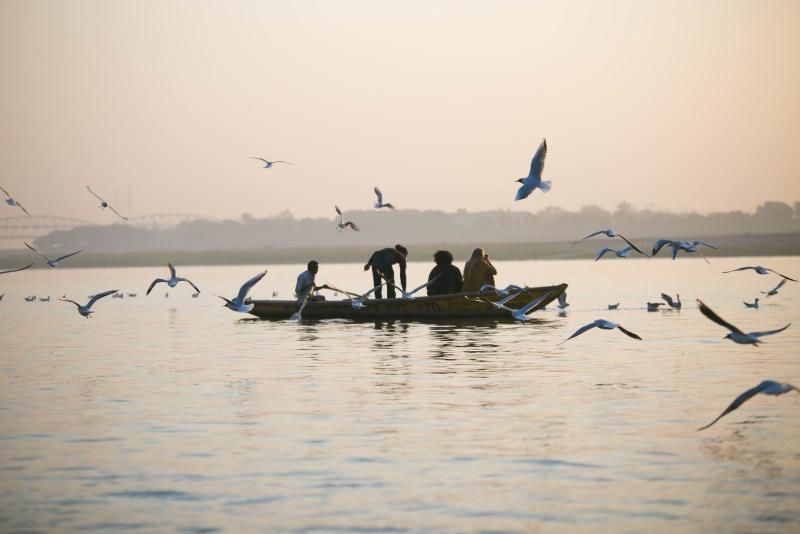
<point x="611" y="233"/>
<point x="604" y="325"/>
<point x="520" y="314"/>
<point x="86" y="310"/>
<point x="238" y="303"/>
<point x="104" y="204"/>
<point x="534" y="178"/>
<point x="504" y="292"/>
<point x="685" y="246"/>
<point x="379" y="200"/>
<point x="268" y="164"/>
<point x="760" y="270"/>
<point x="172" y="281"/>
<point x="774" y="291"/>
<point x="409" y="294"/>
<point x="672" y="303"/>
<point x="751" y="304"/>
<point x="736" y="335"/>
<point x="51" y="263"/>
<point x="358" y="302"/>
<point x="767" y="387"/>
<point x="11" y="202"/>
<point x="342" y="225"/>
<point x="17" y="269"/>
<point x="622" y="253"/>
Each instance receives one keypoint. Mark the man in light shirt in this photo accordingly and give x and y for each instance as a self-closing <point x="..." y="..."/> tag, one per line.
<point x="305" y="283"/>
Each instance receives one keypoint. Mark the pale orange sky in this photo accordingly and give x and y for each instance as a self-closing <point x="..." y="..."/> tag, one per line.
<point x="672" y="105"/>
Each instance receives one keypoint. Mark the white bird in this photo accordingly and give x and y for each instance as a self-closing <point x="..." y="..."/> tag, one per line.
<point x="11" y="202"/>
<point x="751" y="304"/>
<point x="534" y="178"/>
<point x="622" y="253"/>
<point x="604" y="325"/>
<point x="379" y="200"/>
<point x="104" y="204"/>
<point x="761" y="270"/>
<point x="358" y="302"/>
<point x="767" y="387"/>
<point x="774" y="291"/>
<point x="736" y="335"/>
<point x="653" y="306"/>
<point x="172" y="281"/>
<point x="17" y="269"/>
<point x="51" y="263"/>
<point x="672" y="303"/>
<point x="342" y="225"/>
<point x="562" y="301"/>
<point x="520" y="314"/>
<point x="409" y="294"/>
<point x="238" y="303"/>
<point x="86" y="310"/>
<point x="268" y="164"/>
<point x="611" y="233"/>
<point x="613" y="306"/>
<point x="685" y="246"/>
<point x="501" y="292"/>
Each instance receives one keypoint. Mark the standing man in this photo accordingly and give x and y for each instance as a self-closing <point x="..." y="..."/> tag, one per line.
<point x="305" y="283"/>
<point x="381" y="262"/>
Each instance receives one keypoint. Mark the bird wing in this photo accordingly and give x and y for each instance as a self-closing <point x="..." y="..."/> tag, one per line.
<point x="634" y="247"/>
<point x="6" y="192"/>
<point x="695" y="243"/>
<point x="770" y="332"/>
<point x="95" y="194"/>
<point x="628" y="333"/>
<point x="281" y="161"/>
<point x="580" y="331"/>
<point x="72" y="301"/>
<point x="20" y="206"/>
<point x="738" y="401"/>
<point x="602" y="252"/>
<point x="171" y="270"/>
<point x="190" y="283"/>
<point x="776" y="288"/>
<point x="339" y="212"/>
<point x="532" y="304"/>
<point x="660" y="243"/>
<point x="379" y="195"/>
<point x="260" y="159"/>
<point x="36" y="251"/>
<point x="118" y="213"/>
<point x="67" y="255"/>
<point x="426" y="284"/>
<point x="368" y="293"/>
<point x="783" y="275"/>
<point x="506" y="299"/>
<point x="153" y="284"/>
<point x="249" y="284"/>
<point x="590" y="235"/>
<point x="97" y="297"/>
<point x="708" y="312"/>
<point x="17" y="269"/>
<point x="353" y="226"/>
<point x="388" y="205"/>
<point x="739" y="269"/>
<point x="668" y="299"/>
<point x="537" y="163"/>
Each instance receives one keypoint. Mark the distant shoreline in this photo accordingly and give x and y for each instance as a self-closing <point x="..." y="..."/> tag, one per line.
<point x="728" y="246"/>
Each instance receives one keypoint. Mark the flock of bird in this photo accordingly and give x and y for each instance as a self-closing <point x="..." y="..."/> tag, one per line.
<point x="241" y="304"/>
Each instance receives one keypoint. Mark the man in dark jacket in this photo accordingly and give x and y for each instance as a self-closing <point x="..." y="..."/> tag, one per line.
<point x="381" y="262"/>
<point x="446" y="276"/>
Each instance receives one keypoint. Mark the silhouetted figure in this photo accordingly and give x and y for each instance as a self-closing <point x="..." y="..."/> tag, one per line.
<point x="478" y="271"/>
<point x="381" y="262"/>
<point x="446" y="276"/>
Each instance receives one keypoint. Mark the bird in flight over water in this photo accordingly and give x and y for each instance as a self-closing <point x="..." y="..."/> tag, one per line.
<point x="604" y="325"/>
<point x="774" y="290"/>
<point x="17" y="269"/>
<point x="268" y="164"/>
<point x="104" y="204"/>
<point x="622" y="253"/>
<point x="685" y="246"/>
<point x="238" y="303"/>
<point x="767" y="387"/>
<point x="51" y="263"/>
<point x="379" y="200"/>
<point x="172" y="281"/>
<point x="534" y="178"/>
<point x="86" y="310"/>
<point x="11" y="202"/>
<point x="736" y="335"/>
<point x="342" y="225"/>
<point x="760" y="270"/>
<point x="608" y="232"/>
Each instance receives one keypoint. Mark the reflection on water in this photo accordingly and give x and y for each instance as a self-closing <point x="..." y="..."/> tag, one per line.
<point x="191" y="417"/>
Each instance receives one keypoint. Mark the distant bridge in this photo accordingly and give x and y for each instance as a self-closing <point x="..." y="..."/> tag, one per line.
<point x="40" y="225"/>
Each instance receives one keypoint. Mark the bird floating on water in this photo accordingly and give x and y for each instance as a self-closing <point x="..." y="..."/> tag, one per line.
<point x="653" y="306"/>
<point x="676" y="304"/>
<point x="603" y="325"/>
<point x="238" y="303"/>
<point x="760" y="270"/>
<point x="379" y="200"/>
<point x="11" y="202"/>
<point x="621" y="253"/>
<point x="736" y="335"/>
<point x="342" y="224"/>
<point x="104" y="204"/>
<point x="774" y="290"/>
<point x="751" y="304"/>
<point x="51" y="263"/>
<point x="534" y="178"/>
<point x="172" y="281"/>
<point x="767" y="387"/>
<point x="86" y="310"/>
<point x="17" y="269"/>
<point x="613" y="306"/>
<point x="268" y="164"/>
<point x="685" y="246"/>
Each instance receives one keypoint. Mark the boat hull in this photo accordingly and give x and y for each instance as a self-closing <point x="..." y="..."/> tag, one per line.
<point x="455" y="306"/>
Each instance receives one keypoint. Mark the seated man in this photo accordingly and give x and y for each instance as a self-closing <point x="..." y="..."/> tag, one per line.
<point x="446" y="276"/>
<point x="381" y="262"/>
<point x="478" y="271"/>
<point x="305" y="283"/>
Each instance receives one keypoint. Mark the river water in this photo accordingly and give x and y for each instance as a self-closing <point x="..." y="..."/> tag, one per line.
<point x="173" y="414"/>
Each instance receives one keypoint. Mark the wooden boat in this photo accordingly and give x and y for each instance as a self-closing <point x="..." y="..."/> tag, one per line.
<point x="455" y="306"/>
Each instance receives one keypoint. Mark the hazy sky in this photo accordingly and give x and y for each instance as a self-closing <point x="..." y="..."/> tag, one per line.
<point x="159" y="104"/>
